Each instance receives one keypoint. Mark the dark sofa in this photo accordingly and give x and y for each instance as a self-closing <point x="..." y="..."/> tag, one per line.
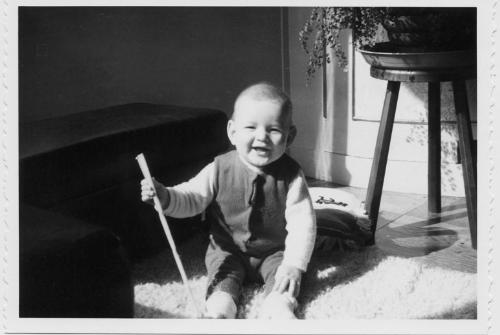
<point x="81" y="219"/>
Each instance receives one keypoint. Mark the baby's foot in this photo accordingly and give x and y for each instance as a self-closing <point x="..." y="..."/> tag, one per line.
<point x="220" y="305"/>
<point x="278" y="306"/>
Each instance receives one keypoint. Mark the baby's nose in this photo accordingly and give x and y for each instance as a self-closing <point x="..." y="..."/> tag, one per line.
<point x="261" y="134"/>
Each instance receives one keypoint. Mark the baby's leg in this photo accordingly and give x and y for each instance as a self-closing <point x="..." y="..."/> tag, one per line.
<point x="276" y="305"/>
<point x="225" y="277"/>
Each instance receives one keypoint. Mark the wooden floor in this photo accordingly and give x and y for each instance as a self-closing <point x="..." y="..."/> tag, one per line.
<point x="406" y="229"/>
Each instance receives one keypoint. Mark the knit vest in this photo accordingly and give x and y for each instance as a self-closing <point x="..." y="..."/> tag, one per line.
<point x="248" y="211"/>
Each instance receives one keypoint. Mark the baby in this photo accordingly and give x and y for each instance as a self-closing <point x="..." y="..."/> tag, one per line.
<point x="262" y="223"/>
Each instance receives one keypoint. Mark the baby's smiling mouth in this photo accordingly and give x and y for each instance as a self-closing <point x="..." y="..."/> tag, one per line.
<point x="261" y="149"/>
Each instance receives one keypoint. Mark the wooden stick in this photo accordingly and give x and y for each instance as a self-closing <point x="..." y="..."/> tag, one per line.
<point x="145" y="171"/>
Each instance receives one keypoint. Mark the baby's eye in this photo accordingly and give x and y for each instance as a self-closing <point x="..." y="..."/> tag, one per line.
<point x="250" y="127"/>
<point x="275" y="130"/>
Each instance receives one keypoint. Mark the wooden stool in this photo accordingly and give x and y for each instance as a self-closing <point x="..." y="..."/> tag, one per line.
<point x="434" y="78"/>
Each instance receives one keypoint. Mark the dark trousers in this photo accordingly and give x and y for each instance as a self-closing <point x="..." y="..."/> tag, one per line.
<point x="229" y="268"/>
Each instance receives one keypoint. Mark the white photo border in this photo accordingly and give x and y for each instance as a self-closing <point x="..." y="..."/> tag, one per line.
<point x="488" y="204"/>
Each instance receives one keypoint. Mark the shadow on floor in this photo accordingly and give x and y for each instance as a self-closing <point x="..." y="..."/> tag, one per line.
<point x="469" y="311"/>
<point x="162" y="269"/>
<point x="418" y="238"/>
<point x="146" y="312"/>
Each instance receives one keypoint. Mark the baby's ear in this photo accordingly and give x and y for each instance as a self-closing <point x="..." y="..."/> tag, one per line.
<point x="292" y="132"/>
<point x="231" y="129"/>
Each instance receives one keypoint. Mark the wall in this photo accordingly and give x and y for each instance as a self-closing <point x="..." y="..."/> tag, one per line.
<point x="340" y="146"/>
<point x="78" y="58"/>
<point x="322" y="116"/>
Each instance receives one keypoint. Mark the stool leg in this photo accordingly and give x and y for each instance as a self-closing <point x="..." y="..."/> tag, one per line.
<point x="466" y="151"/>
<point x="377" y="174"/>
<point x="434" y="148"/>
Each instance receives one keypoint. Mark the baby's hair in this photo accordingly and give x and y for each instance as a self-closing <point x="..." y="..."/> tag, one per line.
<point x="267" y="91"/>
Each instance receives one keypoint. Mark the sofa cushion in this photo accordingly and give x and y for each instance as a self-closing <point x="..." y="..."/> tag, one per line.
<point x="136" y="223"/>
<point x="77" y="154"/>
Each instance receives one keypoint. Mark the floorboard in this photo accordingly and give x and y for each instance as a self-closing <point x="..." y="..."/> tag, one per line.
<point x="406" y="228"/>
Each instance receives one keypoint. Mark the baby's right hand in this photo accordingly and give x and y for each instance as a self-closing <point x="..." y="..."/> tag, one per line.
<point x="148" y="192"/>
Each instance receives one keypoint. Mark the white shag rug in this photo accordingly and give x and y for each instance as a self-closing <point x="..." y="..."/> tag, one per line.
<point x="363" y="284"/>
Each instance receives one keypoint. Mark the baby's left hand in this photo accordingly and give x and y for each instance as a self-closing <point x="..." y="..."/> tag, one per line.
<point x="287" y="278"/>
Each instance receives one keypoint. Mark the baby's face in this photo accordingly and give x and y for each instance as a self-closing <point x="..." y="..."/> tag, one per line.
<point x="260" y="131"/>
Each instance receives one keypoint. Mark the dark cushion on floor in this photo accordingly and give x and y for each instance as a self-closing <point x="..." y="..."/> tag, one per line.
<point x="70" y="268"/>
<point x="340" y="215"/>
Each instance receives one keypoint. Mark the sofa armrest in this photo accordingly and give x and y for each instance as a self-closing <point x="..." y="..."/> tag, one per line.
<point x="69" y="268"/>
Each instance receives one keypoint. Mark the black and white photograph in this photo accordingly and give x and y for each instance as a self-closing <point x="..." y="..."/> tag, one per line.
<point x="294" y="167"/>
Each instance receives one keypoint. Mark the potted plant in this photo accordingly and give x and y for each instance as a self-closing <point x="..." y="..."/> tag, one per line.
<point x="394" y="30"/>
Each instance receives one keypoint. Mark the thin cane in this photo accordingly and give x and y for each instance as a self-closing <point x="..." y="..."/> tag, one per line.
<point x="145" y="171"/>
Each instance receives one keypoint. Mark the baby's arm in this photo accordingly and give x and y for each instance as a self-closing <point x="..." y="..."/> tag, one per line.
<point x="186" y="199"/>
<point x="299" y="244"/>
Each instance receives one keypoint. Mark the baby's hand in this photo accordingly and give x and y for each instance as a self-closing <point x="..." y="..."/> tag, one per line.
<point x="148" y="192"/>
<point x="287" y="279"/>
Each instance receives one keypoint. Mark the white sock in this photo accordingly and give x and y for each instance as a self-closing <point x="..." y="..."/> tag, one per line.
<point x="220" y="305"/>
<point x="278" y="306"/>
